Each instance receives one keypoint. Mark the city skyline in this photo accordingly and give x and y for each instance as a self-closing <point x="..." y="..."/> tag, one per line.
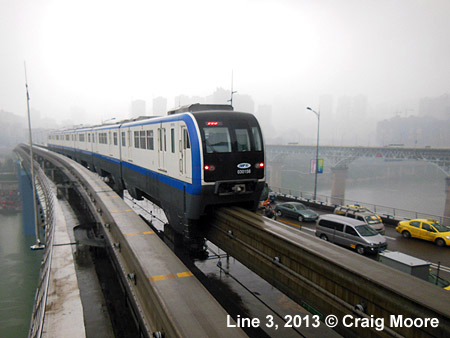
<point x="285" y="53"/>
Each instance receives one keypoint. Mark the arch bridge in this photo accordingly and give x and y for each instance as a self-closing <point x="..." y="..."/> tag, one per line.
<point x="340" y="158"/>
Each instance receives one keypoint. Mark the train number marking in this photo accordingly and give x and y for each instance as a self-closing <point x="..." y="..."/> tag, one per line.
<point x="244" y="168"/>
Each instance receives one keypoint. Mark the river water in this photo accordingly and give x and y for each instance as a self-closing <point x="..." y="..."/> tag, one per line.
<point x="19" y="268"/>
<point x="411" y="185"/>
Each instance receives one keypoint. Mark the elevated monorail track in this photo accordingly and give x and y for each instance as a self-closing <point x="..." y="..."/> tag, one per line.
<point x="325" y="279"/>
<point x="166" y="299"/>
<point x="329" y="279"/>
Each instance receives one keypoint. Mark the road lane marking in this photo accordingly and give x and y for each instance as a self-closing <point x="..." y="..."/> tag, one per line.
<point x="289" y="223"/>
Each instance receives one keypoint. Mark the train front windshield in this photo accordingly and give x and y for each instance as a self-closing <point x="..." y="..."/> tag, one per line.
<point x="232" y="147"/>
<point x="218" y="139"/>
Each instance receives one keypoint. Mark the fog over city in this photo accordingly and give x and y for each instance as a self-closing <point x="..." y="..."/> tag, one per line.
<point x="367" y="65"/>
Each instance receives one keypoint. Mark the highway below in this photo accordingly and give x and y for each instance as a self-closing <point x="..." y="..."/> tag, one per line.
<point x="418" y="248"/>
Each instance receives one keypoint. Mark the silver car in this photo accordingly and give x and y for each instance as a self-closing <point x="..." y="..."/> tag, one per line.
<point x="350" y="233"/>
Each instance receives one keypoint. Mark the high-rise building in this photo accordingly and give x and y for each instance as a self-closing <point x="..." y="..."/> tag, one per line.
<point x="264" y="115"/>
<point x="220" y="96"/>
<point x="359" y="107"/>
<point x="326" y="105"/>
<point x="138" y="108"/>
<point x="437" y="107"/>
<point x="243" y="103"/>
<point x="159" y="106"/>
<point x="182" y="100"/>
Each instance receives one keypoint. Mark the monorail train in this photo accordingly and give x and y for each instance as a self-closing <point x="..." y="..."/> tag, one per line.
<point x="195" y="158"/>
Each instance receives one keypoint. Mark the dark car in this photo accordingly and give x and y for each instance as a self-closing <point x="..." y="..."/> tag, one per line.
<point x="296" y="210"/>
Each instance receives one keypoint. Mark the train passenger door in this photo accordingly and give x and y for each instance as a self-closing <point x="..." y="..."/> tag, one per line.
<point x="110" y="141"/>
<point x="185" y="153"/>
<point x="129" y="146"/>
<point x="95" y="142"/>
<point x="162" y="147"/>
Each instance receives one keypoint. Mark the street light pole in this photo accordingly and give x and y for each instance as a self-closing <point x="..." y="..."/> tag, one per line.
<point x="317" y="150"/>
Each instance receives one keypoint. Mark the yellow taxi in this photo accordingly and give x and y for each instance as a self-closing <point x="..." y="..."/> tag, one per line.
<point x="354" y="207"/>
<point x="427" y="229"/>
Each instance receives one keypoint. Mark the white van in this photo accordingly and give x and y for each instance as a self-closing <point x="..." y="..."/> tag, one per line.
<point x="351" y="233"/>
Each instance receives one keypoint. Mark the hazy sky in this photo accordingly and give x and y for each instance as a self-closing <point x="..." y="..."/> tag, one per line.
<point x="101" y="54"/>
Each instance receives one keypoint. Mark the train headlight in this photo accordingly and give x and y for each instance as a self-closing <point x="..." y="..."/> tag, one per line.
<point x="259" y="165"/>
<point x="209" y="167"/>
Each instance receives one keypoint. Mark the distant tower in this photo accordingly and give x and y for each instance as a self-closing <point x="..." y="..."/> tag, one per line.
<point x="138" y="108"/>
<point x="244" y="103"/>
<point x="159" y="106"/>
<point x="326" y="106"/>
<point x="359" y="107"/>
<point x="220" y="96"/>
<point x="182" y="100"/>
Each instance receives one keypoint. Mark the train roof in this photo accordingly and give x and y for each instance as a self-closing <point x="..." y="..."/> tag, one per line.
<point x="197" y="107"/>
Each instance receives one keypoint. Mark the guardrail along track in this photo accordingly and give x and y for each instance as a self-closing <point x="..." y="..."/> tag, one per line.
<point x="328" y="278"/>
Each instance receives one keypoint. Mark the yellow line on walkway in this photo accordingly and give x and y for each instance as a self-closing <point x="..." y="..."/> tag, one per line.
<point x="184" y="274"/>
<point x="170" y="276"/>
<point x="139" y="233"/>
<point x="156" y="278"/>
<point x="126" y="210"/>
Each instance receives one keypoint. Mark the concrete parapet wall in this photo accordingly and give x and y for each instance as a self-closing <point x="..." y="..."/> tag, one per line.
<point x="329" y="278"/>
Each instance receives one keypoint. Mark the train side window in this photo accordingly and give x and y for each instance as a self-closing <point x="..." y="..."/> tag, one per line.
<point x="123" y="139"/>
<point x="150" y="145"/>
<point x="136" y="139"/>
<point x="142" y="143"/>
<point x="243" y="140"/>
<point x="165" y="139"/>
<point x="257" y="139"/>
<point x="172" y="140"/>
<point x="89" y="137"/>
<point x="187" y="144"/>
<point x="115" y="138"/>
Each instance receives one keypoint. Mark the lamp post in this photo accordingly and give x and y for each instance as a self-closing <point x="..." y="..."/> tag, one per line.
<point x="317" y="150"/>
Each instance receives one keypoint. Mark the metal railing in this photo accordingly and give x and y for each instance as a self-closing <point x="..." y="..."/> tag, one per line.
<point x="45" y="194"/>
<point x="382" y="210"/>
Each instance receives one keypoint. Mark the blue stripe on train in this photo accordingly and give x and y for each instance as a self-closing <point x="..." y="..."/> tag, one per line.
<point x="193" y="189"/>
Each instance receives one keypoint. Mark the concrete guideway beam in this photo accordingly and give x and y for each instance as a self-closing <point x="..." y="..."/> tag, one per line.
<point x="165" y="297"/>
<point x="331" y="279"/>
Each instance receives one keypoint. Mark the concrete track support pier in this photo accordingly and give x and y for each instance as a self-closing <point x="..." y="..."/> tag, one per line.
<point x="338" y="184"/>
<point x="446" y="220"/>
<point x="276" y="168"/>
